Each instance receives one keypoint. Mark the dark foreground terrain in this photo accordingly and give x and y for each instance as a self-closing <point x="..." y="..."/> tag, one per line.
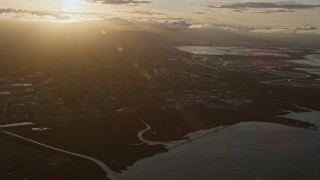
<point x="134" y="110"/>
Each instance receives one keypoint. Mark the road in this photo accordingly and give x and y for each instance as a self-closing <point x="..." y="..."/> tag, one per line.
<point x="109" y="172"/>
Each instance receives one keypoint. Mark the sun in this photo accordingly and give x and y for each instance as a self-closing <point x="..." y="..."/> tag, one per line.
<point x="71" y="5"/>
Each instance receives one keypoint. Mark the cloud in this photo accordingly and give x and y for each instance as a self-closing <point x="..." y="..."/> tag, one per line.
<point x="225" y="27"/>
<point x="286" y="30"/>
<point x="20" y="14"/>
<point x="198" y="12"/>
<point x="177" y="25"/>
<point x="144" y="12"/>
<point x="118" y="2"/>
<point x="264" y="7"/>
<point x="307" y="29"/>
<point x="119" y="21"/>
<point x="30" y="15"/>
<point x="160" y="21"/>
<point x="17" y="12"/>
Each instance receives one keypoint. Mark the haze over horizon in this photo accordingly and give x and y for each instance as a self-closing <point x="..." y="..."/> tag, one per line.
<point x="233" y="15"/>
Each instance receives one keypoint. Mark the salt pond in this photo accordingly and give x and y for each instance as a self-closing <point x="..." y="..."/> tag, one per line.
<point x="309" y="70"/>
<point x="237" y="51"/>
<point x="311" y="60"/>
<point x="313" y="57"/>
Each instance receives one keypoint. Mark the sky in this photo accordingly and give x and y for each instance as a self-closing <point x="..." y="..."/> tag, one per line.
<point x="250" y="15"/>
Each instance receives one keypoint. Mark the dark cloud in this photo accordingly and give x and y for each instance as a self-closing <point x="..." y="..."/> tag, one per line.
<point x="155" y="22"/>
<point x="252" y="29"/>
<point x="120" y="21"/>
<point x="178" y="24"/>
<point x="145" y="12"/>
<point x="182" y="24"/>
<point x="306" y="29"/>
<point x="118" y="2"/>
<point x="267" y="6"/>
<point x="20" y="11"/>
<point x="198" y="12"/>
